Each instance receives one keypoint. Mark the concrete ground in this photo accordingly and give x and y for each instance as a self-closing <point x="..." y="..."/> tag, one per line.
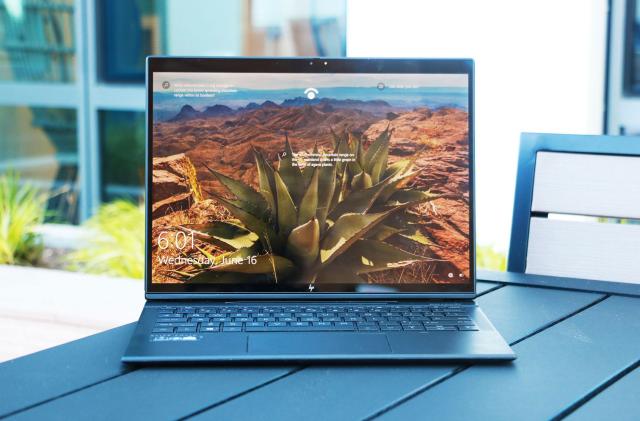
<point x="41" y="308"/>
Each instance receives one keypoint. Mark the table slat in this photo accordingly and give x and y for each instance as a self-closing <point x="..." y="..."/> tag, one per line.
<point x="554" y="369"/>
<point x="339" y="392"/>
<point x="165" y="393"/>
<point x="484" y="287"/>
<point x="618" y="402"/>
<point x="50" y="373"/>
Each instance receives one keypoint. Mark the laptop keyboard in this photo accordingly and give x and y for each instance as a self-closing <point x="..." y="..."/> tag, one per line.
<point x="313" y="318"/>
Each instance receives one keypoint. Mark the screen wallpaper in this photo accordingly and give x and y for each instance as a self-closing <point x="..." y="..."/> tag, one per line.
<point x="314" y="182"/>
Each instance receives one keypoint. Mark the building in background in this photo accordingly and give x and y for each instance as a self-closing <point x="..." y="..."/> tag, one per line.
<point x="72" y="79"/>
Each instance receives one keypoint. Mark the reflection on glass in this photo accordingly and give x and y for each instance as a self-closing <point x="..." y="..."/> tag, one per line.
<point x="41" y="145"/>
<point x="297" y="28"/>
<point x="633" y="49"/>
<point x="129" y="30"/>
<point x="132" y="29"/>
<point x="36" y="40"/>
<point x="122" y="144"/>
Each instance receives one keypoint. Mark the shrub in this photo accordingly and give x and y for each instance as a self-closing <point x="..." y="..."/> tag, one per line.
<point x="116" y="243"/>
<point x="22" y="208"/>
<point x="489" y="258"/>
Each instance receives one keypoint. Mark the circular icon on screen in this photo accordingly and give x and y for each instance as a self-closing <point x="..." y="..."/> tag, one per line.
<point x="311" y="93"/>
<point x="166" y="85"/>
<point x="381" y="86"/>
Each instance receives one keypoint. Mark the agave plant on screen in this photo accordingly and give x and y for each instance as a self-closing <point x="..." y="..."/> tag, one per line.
<point x="313" y="224"/>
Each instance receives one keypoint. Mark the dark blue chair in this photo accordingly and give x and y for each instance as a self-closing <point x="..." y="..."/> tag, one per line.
<point x="576" y="215"/>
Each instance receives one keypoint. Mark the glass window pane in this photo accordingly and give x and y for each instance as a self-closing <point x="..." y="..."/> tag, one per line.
<point x="41" y="145"/>
<point x="36" y="41"/>
<point x="122" y="142"/>
<point x="132" y="29"/>
<point x="632" y="82"/>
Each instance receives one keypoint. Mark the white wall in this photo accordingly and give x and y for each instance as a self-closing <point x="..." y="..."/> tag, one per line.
<point x="539" y="67"/>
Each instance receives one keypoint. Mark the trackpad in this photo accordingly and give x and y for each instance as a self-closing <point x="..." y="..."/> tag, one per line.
<point x="317" y="343"/>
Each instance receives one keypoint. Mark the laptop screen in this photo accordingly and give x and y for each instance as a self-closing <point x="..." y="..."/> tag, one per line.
<point x="310" y="182"/>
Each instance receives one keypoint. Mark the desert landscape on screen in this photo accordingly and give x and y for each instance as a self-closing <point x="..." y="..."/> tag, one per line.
<point x="394" y="210"/>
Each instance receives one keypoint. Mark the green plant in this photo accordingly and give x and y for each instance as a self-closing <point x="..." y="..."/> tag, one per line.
<point x="489" y="258"/>
<point x="22" y="208"/>
<point x="116" y="244"/>
<point x="330" y="223"/>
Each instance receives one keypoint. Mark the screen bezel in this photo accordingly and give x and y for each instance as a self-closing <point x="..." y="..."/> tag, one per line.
<point x="304" y="65"/>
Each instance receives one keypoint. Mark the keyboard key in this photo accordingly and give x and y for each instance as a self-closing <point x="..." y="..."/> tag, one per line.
<point x="442" y="323"/>
<point x="261" y="329"/>
<point x="185" y="329"/>
<point x="255" y="324"/>
<point x="162" y="330"/>
<point x="439" y="318"/>
<point x="276" y="324"/>
<point x="209" y="329"/>
<point x="440" y="328"/>
<point x="232" y="329"/>
<point x="368" y="328"/>
<point x="391" y="327"/>
<point x="412" y="327"/>
<point x="468" y="328"/>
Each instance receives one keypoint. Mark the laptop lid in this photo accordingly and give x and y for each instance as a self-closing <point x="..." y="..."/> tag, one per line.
<point x="309" y="178"/>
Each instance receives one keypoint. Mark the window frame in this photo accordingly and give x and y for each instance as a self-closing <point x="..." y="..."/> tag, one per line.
<point x="87" y="95"/>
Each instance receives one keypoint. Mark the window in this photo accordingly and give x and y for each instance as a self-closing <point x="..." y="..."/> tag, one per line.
<point x="122" y="146"/>
<point x="72" y="94"/>
<point x="37" y="41"/>
<point x="41" y="145"/>
<point x="632" y="51"/>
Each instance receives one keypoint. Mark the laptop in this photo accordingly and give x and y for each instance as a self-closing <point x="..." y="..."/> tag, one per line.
<point x="310" y="209"/>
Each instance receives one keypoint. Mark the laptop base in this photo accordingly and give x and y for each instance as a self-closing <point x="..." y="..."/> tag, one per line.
<point x="483" y="344"/>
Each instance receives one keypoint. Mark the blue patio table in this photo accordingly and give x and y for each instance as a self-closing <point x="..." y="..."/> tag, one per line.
<point x="578" y="357"/>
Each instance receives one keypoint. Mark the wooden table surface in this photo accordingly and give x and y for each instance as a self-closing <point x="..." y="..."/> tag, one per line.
<point x="578" y="357"/>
